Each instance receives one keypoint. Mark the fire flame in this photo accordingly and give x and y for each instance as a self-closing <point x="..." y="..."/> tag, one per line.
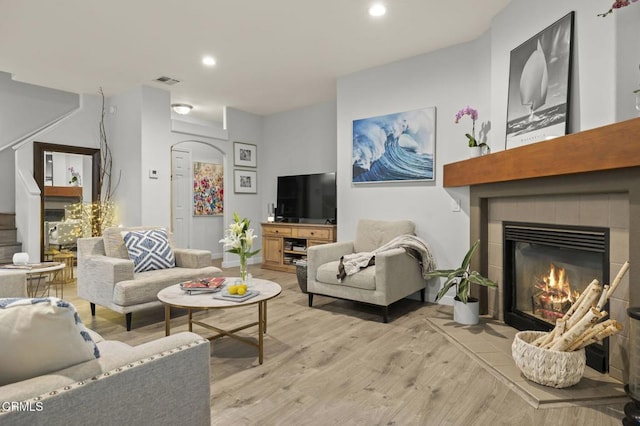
<point x="556" y="286"/>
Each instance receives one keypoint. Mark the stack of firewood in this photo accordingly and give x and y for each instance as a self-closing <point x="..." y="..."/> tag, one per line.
<point x="583" y="323"/>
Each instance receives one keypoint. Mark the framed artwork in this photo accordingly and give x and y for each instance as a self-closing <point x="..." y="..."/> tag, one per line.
<point x="397" y="147"/>
<point x="245" y="182"/>
<point x="539" y="85"/>
<point x="208" y="189"/>
<point x="245" y="154"/>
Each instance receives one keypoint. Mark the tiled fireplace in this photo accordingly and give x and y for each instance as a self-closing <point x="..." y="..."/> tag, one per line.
<point x="589" y="179"/>
<point x="603" y="211"/>
<point x="546" y="267"/>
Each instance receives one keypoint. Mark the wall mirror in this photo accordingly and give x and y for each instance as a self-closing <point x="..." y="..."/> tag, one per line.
<point x="67" y="177"/>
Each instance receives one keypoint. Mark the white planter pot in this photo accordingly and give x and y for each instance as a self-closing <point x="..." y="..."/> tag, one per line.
<point x="475" y="151"/>
<point x="466" y="313"/>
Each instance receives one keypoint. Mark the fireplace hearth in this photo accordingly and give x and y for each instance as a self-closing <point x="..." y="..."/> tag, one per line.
<point x="547" y="267"/>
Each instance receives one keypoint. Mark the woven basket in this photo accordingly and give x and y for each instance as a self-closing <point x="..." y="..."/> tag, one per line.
<point x="546" y="367"/>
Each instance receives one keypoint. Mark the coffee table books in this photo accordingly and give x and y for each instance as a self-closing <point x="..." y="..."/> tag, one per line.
<point x="203" y="285"/>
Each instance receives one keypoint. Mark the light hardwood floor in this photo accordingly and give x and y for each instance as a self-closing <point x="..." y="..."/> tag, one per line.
<point x="338" y="364"/>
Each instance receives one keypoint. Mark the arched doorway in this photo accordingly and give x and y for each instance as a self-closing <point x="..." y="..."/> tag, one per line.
<point x="193" y="225"/>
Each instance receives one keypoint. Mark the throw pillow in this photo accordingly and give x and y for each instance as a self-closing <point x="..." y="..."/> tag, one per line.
<point x="40" y="336"/>
<point x="149" y="250"/>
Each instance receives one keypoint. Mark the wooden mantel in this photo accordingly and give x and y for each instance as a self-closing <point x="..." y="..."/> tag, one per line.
<point x="63" y="191"/>
<point x="610" y="147"/>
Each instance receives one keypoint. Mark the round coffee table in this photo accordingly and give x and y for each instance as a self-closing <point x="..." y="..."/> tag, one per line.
<point x="174" y="296"/>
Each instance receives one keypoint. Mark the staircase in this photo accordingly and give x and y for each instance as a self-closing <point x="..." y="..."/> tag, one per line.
<point x="8" y="243"/>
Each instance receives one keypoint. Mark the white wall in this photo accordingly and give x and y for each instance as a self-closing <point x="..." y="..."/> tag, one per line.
<point x="24" y="109"/>
<point x="627" y="44"/>
<point x="248" y="128"/>
<point x="156" y="154"/>
<point x="449" y="80"/>
<point x="296" y="142"/>
<point x="477" y="74"/>
<point x="124" y="132"/>
<point x="593" y="100"/>
<point x="79" y="129"/>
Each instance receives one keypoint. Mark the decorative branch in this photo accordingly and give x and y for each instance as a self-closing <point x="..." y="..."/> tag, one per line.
<point x="106" y="161"/>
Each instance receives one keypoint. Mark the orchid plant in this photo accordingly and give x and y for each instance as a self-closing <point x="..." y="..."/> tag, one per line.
<point x="473" y="113"/>
<point x="239" y="237"/>
<point x="617" y="4"/>
<point x="75" y="177"/>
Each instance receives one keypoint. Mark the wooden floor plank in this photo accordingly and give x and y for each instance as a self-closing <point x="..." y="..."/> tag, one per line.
<point x="337" y="363"/>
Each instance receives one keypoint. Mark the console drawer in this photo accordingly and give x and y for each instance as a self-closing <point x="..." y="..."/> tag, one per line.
<point x="276" y="230"/>
<point x="322" y="234"/>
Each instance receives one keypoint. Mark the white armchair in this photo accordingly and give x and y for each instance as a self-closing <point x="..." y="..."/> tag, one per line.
<point x="395" y="275"/>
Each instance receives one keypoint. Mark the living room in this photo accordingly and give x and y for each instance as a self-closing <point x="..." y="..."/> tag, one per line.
<point x="318" y="138"/>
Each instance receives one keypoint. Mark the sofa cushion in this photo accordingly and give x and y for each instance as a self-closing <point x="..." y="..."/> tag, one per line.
<point x="39" y="336"/>
<point x="371" y="234"/>
<point x="365" y="279"/>
<point x="149" y="250"/>
<point x="144" y="287"/>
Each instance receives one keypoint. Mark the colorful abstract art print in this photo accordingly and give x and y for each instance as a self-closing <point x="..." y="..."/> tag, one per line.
<point x="208" y="189"/>
<point x="397" y="147"/>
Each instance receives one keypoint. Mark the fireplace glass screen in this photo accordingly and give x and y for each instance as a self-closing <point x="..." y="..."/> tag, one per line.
<point x="549" y="279"/>
<point x="546" y="268"/>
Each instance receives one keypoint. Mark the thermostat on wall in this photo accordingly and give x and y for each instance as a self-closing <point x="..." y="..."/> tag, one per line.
<point x="153" y="174"/>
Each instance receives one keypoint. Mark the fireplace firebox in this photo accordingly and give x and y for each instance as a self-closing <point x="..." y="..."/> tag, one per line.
<point x="546" y="267"/>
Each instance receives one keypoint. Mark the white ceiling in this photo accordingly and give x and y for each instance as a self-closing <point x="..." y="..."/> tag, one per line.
<point x="272" y="55"/>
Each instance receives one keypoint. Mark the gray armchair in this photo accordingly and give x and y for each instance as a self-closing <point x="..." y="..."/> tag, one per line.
<point x="395" y="275"/>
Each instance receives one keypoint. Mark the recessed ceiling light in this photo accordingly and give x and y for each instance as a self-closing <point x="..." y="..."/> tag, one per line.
<point x="208" y="61"/>
<point x="377" y="9"/>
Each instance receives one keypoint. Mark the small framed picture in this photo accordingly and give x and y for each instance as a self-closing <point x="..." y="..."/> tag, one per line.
<point x="245" y="182"/>
<point x="245" y="154"/>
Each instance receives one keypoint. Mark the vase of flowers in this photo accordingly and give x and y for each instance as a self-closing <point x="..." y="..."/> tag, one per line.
<point x="477" y="148"/>
<point x="239" y="238"/>
<point x="617" y="4"/>
<point x="75" y="177"/>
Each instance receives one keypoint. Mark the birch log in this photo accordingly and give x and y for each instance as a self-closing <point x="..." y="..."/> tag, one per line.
<point x="609" y="331"/>
<point x="604" y="296"/>
<point x="578" y="302"/>
<point x="591" y="317"/>
<point x="621" y="273"/>
<point x="590" y="333"/>
<point x="592" y="294"/>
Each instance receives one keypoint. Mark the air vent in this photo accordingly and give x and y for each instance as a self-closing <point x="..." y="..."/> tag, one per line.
<point x="167" y="80"/>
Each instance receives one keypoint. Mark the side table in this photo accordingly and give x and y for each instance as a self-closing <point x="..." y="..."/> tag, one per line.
<point x="65" y="276"/>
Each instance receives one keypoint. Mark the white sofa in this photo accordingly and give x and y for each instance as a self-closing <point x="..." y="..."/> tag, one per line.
<point x="163" y="382"/>
<point x="106" y="275"/>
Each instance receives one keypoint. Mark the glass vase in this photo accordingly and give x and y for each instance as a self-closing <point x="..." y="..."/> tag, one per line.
<point x="243" y="268"/>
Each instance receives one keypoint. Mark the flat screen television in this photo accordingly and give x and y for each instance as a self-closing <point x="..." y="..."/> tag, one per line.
<point x="307" y="198"/>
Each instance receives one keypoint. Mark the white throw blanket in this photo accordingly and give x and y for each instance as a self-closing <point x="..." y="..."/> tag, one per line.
<point x="414" y="246"/>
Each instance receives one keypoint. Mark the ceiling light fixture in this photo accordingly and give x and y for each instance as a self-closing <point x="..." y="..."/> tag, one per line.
<point x="182" y="109"/>
<point x="377" y="9"/>
<point x="208" y="61"/>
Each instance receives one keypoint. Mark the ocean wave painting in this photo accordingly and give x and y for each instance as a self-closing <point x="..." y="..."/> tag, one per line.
<point x="394" y="147"/>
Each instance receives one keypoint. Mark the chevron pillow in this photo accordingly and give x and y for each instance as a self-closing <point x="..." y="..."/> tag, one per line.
<point x="149" y="250"/>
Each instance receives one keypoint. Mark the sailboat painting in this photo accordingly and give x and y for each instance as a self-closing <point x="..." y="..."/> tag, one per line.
<point x="539" y="83"/>
<point x="394" y="147"/>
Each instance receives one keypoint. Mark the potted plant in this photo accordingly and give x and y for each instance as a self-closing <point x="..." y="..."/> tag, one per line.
<point x="465" y="307"/>
<point x="476" y="146"/>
